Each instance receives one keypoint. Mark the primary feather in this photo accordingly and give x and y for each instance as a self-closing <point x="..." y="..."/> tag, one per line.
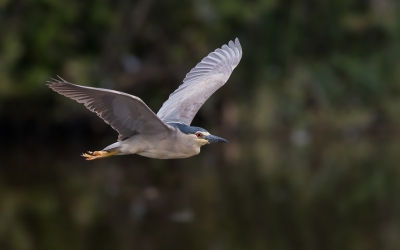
<point x="125" y="113"/>
<point x="200" y="83"/>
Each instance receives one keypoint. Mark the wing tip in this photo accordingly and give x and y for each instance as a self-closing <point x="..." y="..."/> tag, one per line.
<point x="56" y="82"/>
<point x="238" y="45"/>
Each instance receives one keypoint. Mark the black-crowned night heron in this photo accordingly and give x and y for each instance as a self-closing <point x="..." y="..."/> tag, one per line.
<point x="168" y="134"/>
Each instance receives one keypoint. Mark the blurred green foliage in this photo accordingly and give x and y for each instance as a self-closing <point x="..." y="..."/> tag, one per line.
<point x="311" y="113"/>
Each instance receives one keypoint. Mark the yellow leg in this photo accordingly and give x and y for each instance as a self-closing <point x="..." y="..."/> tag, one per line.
<point x="98" y="154"/>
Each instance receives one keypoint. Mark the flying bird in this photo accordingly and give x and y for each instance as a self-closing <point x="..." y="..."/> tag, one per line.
<point x="167" y="135"/>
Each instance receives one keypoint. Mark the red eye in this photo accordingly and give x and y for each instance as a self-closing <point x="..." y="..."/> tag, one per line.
<point x="199" y="135"/>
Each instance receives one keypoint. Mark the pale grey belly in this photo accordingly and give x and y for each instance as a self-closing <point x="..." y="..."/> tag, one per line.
<point x="160" y="148"/>
<point x="166" y="154"/>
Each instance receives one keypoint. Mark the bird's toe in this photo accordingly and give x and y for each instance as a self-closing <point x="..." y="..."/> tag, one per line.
<point x="98" y="154"/>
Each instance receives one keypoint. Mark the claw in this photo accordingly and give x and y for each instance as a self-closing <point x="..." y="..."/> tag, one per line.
<point x="98" y="154"/>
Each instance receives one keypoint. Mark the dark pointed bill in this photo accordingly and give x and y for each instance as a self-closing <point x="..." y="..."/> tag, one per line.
<point x="213" y="138"/>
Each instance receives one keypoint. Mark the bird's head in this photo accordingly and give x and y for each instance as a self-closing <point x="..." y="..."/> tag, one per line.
<point x="197" y="134"/>
<point x="203" y="138"/>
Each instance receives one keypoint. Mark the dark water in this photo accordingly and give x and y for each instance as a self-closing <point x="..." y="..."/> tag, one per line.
<point x="311" y="114"/>
<point x="315" y="187"/>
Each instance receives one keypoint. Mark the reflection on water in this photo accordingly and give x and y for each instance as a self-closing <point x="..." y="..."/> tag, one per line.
<point x="282" y="188"/>
<point x="311" y="114"/>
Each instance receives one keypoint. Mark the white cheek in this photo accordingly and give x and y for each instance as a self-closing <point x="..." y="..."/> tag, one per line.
<point x="203" y="142"/>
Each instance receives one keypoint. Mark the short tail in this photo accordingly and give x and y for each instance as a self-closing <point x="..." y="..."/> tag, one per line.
<point x="99" y="154"/>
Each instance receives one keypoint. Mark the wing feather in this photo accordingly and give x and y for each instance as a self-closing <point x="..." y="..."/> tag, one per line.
<point x="126" y="114"/>
<point x="200" y="83"/>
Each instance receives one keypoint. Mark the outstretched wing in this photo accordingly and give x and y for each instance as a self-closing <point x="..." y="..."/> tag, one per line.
<point x="200" y="83"/>
<point x="127" y="114"/>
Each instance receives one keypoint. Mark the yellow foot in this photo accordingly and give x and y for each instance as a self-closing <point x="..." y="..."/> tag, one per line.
<point x="98" y="154"/>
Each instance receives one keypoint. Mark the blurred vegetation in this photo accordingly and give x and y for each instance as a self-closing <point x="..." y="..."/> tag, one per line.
<point x="311" y="114"/>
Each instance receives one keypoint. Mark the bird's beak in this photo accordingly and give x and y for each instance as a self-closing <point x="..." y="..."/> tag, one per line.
<point x="213" y="138"/>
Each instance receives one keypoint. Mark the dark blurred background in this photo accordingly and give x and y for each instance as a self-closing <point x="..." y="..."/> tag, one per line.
<point x="312" y="115"/>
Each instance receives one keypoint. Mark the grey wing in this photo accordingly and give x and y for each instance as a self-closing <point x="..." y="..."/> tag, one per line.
<point x="200" y="83"/>
<point x="125" y="113"/>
